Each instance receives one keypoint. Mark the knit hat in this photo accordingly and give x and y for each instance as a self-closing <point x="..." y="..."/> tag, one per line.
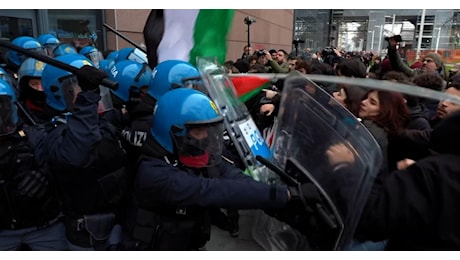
<point x="436" y="58"/>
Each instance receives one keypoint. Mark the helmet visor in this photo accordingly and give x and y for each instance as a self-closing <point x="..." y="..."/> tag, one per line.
<point x="49" y="48"/>
<point x="105" y="103"/>
<point x="195" y="83"/>
<point x="70" y="89"/>
<point x="95" y="57"/>
<point x="138" y="56"/>
<point x="202" y="145"/>
<point x="7" y="115"/>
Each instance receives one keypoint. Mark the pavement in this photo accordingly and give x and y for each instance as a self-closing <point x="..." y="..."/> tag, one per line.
<point x="222" y="241"/>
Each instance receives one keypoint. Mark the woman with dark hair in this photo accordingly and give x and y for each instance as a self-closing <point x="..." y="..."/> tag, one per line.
<point x="385" y="115"/>
<point x="387" y="109"/>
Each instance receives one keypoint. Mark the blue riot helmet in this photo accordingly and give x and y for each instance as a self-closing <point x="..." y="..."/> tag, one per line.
<point x="64" y="48"/>
<point x="112" y="56"/>
<point x="133" y="78"/>
<point x="171" y="74"/>
<point x="49" y="42"/>
<point x="187" y="124"/>
<point x="110" y="60"/>
<point x="130" y="53"/>
<point x="29" y="81"/>
<point x="8" y="110"/>
<point x="60" y="86"/>
<point x="15" y="58"/>
<point x="104" y="65"/>
<point x="5" y="76"/>
<point x="93" y="54"/>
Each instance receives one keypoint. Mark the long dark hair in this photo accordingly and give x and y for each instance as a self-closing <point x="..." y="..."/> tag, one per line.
<point x="394" y="114"/>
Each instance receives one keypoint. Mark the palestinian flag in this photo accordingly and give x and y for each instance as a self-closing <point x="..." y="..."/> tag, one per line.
<point x="187" y="34"/>
<point x="249" y="86"/>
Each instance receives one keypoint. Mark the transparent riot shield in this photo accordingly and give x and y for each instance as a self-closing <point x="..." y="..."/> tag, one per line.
<point x="310" y="121"/>
<point x="239" y="124"/>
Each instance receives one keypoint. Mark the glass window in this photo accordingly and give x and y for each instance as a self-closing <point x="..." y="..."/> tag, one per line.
<point x="12" y="27"/>
<point x="76" y="26"/>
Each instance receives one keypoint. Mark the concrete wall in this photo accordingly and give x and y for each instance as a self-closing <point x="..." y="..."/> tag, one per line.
<point x="272" y="29"/>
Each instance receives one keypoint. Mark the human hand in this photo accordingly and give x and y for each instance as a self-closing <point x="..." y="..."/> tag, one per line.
<point x="337" y="52"/>
<point x="340" y="154"/>
<point x="403" y="164"/>
<point x="89" y="77"/>
<point x="267" y="109"/>
<point x="268" y="55"/>
<point x="270" y="93"/>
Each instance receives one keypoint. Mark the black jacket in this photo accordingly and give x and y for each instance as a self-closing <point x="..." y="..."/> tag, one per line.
<point x="417" y="208"/>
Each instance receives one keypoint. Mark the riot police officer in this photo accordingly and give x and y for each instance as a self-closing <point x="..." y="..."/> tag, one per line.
<point x="29" y="208"/>
<point x="83" y="152"/>
<point x="181" y="176"/>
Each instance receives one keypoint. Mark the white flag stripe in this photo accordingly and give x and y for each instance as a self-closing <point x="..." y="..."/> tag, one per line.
<point x="177" y="40"/>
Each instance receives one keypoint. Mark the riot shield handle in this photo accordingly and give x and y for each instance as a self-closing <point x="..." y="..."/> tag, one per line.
<point x="327" y="219"/>
<point x="105" y="82"/>
<point x="284" y="176"/>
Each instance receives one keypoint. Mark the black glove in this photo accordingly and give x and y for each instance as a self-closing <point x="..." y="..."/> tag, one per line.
<point x="33" y="185"/>
<point x="89" y="78"/>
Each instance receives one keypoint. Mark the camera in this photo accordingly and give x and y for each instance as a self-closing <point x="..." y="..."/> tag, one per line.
<point x="297" y="41"/>
<point x="260" y="53"/>
<point x="397" y="38"/>
<point x="248" y="20"/>
<point x="328" y="51"/>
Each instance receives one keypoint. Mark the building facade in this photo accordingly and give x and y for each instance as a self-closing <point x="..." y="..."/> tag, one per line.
<point x="422" y="30"/>
<point x="347" y="29"/>
<point x="272" y="29"/>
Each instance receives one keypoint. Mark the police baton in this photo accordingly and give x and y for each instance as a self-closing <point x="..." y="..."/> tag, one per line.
<point x="26" y="114"/>
<point x="105" y="82"/>
<point x="124" y="37"/>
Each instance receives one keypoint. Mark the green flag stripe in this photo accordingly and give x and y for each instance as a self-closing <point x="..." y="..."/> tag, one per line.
<point x="210" y="37"/>
<point x="252" y="93"/>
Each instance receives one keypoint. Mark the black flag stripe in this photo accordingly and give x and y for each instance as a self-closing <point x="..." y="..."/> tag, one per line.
<point x="153" y="33"/>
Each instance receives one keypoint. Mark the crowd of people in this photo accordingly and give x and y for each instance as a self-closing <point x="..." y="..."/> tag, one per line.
<point x="144" y="166"/>
<point x="412" y="197"/>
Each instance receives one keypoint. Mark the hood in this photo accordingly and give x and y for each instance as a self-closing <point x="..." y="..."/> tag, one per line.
<point x="419" y="110"/>
<point x="445" y="137"/>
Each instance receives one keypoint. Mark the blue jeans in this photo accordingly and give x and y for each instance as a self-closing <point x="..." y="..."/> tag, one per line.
<point x="49" y="238"/>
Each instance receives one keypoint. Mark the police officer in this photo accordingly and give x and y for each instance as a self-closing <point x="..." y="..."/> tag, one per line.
<point x="29" y="208"/>
<point x="181" y="175"/>
<point x="14" y="59"/>
<point x="167" y="75"/>
<point x="31" y="93"/>
<point x="133" y="80"/>
<point x="83" y="152"/>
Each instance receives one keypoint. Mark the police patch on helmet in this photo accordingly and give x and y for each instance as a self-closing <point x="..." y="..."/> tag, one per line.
<point x="213" y="105"/>
<point x="85" y="62"/>
<point x="39" y="65"/>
